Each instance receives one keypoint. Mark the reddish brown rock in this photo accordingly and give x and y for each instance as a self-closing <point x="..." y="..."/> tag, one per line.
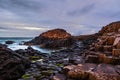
<point x="116" y="52"/>
<point x="93" y="72"/>
<point x="117" y="40"/>
<point x="53" y="39"/>
<point x="110" y="40"/>
<point x="80" y="71"/>
<point x="104" y="72"/>
<point x="112" y="27"/>
<point x="98" y="47"/>
<point x="108" y="48"/>
<point x="59" y="77"/>
<point x="103" y="76"/>
<point x="118" y="45"/>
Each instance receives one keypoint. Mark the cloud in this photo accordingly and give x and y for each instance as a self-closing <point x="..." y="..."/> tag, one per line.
<point x="32" y="17"/>
<point x="79" y="12"/>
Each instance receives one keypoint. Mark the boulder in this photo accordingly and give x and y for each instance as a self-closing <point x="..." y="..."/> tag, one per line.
<point x="9" y="42"/>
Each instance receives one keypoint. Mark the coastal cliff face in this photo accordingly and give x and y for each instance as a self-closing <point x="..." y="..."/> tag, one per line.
<point x="53" y="39"/>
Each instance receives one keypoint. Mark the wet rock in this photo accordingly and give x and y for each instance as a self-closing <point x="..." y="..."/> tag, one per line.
<point x="12" y="65"/>
<point x="9" y="42"/>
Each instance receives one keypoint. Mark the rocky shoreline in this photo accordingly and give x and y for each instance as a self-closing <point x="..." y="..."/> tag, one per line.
<point x="90" y="57"/>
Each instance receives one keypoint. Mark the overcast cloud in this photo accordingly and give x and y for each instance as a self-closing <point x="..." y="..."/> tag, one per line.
<point x="29" y="18"/>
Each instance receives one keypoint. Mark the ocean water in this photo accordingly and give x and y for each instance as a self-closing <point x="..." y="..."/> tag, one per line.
<point x="20" y="40"/>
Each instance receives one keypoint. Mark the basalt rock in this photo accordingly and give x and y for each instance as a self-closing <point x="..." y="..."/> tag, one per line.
<point x="12" y="65"/>
<point x="110" y="28"/>
<point x="92" y="72"/>
<point x="9" y="42"/>
<point x="53" y="39"/>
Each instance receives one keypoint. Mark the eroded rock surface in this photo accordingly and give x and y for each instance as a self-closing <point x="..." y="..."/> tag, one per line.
<point x="12" y="66"/>
<point x="53" y="39"/>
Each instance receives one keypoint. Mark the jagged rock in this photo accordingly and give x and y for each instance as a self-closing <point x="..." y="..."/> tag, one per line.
<point x="112" y="27"/>
<point x="53" y="39"/>
<point x="12" y="65"/>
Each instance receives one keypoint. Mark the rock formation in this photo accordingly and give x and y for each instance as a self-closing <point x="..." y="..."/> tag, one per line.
<point x="9" y="42"/>
<point x="53" y="39"/>
<point x="102" y="59"/>
<point x="12" y="65"/>
<point x="112" y="27"/>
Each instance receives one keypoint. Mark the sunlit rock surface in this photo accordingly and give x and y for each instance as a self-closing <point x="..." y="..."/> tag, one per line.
<point x="53" y="39"/>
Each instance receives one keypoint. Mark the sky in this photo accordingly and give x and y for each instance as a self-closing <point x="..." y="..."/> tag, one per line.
<point x="29" y="18"/>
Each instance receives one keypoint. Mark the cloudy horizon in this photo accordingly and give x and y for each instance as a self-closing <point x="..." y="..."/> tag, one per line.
<point x="29" y="18"/>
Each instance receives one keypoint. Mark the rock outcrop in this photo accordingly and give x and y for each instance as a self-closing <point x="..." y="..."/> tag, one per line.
<point x="112" y="27"/>
<point x="12" y="65"/>
<point x="92" y="72"/>
<point x="53" y="39"/>
<point x="101" y="59"/>
<point x="9" y="42"/>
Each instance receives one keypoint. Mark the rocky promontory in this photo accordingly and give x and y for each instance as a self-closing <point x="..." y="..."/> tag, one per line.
<point x="53" y="39"/>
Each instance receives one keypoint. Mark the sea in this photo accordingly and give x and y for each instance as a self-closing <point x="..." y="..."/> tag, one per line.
<point x="19" y="44"/>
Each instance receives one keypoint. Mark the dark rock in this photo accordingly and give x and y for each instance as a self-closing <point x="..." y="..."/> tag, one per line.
<point x="9" y="42"/>
<point x="12" y="65"/>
